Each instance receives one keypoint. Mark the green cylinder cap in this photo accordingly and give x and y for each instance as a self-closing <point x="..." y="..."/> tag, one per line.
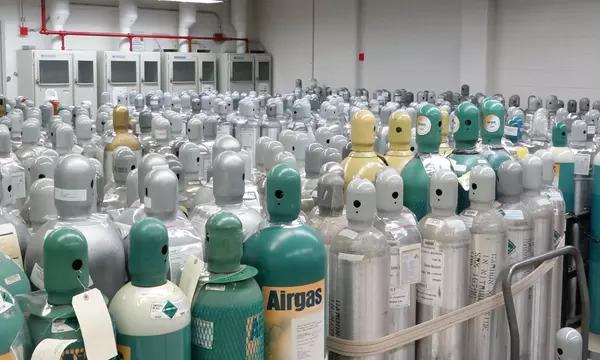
<point x="559" y="134"/>
<point x="283" y="193"/>
<point x="66" y="271"/>
<point x="492" y="128"/>
<point x="465" y="126"/>
<point x="223" y="244"/>
<point x="429" y="126"/>
<point x="148" y="253"/>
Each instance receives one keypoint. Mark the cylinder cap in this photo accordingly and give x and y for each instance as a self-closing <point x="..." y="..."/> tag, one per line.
<point x="443" y="190"/>
<point x="483" y="184"/>
<point x="360" y="200"/>
<point x="330" y="191"/>
<point x="390" y="190"/>
<point x="148" y="253"/>
<point x="229" y="176"/>
<point x="223" y="243"/>
<point x="283" y="193"/>
<point x="510" y="178"/>
<point x="532" y="172"/>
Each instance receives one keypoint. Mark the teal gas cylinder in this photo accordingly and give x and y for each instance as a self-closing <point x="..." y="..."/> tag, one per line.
<point x="492" y="130"/>
<point x="12" y="277"/>
<point x="417" y="171"/>
<point x="228" y="314"/>
<point x="564" y="165"/>
<point x="465" y="126"/>
<point x="66" y="274"/>
<point x="151" y="314"/>
<point x="291" y="262"/>
<point x="14" y="337"/>
<point x="594" y="255"/>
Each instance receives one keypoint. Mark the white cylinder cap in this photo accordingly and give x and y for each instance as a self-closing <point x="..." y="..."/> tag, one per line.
<point x="568" y="344"/>
<point x="483" y="184"/>
<point x="273" y="148"/>
<point x="149" y="162"/>
<point x="547" y="165"/>
<point x="286" y="157"/>
<point x="245" y="155"/>
<point x="190" y="157"/>
<point x="339" y="142"/>
<point x="31" y="131"/>
<point x="228" y="178"/>
<point x="532" y="172"/>
<point x="64" y="138"/>
<point x="43" y="167"/>
<point x="160" y="187"/>
<point x="332" y="154"/>
<point x="443" y="190"/>
<point x="510" y="178"/>
<point x="131" y="194"/>
<point x="224" y="143"/>
<point x="186" y="101"/>
<point x="195" y="129"/>
<point x="161" y="129"/>
<point x="390" y="190"/>
<point x="84" y="128"/>
<point x="299" y="145"/>
<point x="323" y="136"/>
<point x="124" y="161"/>
<point x="41" y="201"/>
<point x="287" y="137"/>
<point x="102" y="119"/>
<point x="579" y="131"/>
<point x="75" y="186"/>
<point x="66" y="116"/>
<point x="314" y="158"/>
<point x="247" y="108"/>
<point x="205" y="102"/>
<point x="360" y="200"/>
<point x="5" y="144"/>
<point x="261" y="149"/>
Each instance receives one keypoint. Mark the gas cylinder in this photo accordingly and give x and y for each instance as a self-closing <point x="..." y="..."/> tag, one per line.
<point x="445" y="269"/>
<point x="161" y="133"/>
<point x="359" y="271"/>
<point x="381" y="144"/>
<point x="13" y="173"/>
<point x="492" y="130"/>
<point x="399" y="226"/>
<point x="594" y="257"/>
<point x="399" y="137"/>
<point x="542" y="214"/>
<point x="160" y="202"/>
<point x="40" y="207"/>
<point x="465" y="129"/>
<point x="564" y="164"/>
<point x="569" y="344"/>
<point x="65" y="275"/>
<point x="291" y="262"/>
<point x="261" y="149"/>
<point x="328" y="218"/>
<point x="417" y="172"/>
<point x="272" y="149"/>
<point x="228" y="315"/>
<point x="151" y="314"/>
<point x="12" y="277"/>
<point x="445" y="148"/>
<point x="15" y="343"/>
<point x="74" y="186"/>
<point x="228" y="191"/>
<point x="83" y="132"/>
<point x="31" y="147"/>
<point x="270" y="125"/>
<point x="313" y="159"/>
<point x="519" y="230"/>
<point x="191" y="160"/>
<point x="323" y="136"/>
<point x="362" y="160"/>
<point x="487" y="260"/>
<point x="194" y="131"/>
<point x="145" y="131"/>
<point x="247" y="129"/>
<point x="582" y="168"/>
<point x="122" y="137"/>
<point x="115" y="196"/>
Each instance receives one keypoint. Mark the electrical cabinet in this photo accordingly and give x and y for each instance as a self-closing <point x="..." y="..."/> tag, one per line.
<point x="85" y="86"/>
<point x="118" y="73"/>
<point x="262" y="73"/>
<point x="150" y="72"/>
<point x="179" y="72"/>
<point x="207" y="71"/>
<point x="236" y="72"/>
<point x="44" y="74"/>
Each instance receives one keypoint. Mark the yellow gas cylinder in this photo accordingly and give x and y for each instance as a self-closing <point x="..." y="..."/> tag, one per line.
<point x="445" y="148"/>
<point x="399" y="136"/>
<point x="122" y="138"/>
<point x="363" y="160"/>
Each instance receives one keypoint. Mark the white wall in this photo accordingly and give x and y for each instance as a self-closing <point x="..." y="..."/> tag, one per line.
<point x="102" y="18"/>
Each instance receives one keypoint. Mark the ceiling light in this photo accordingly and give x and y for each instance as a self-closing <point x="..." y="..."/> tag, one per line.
<point x="196" y="1"/>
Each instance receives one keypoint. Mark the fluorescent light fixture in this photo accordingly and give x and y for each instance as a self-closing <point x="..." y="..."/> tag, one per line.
<point x="196" y="1"/>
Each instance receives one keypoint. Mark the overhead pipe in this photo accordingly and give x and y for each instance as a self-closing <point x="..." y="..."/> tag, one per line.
<point x="187" y="18"/>
<point x="128" y="15"/>
<point x="59" y="13"/>
<point x="239" y="19"/>
<point x="129" y="36"/>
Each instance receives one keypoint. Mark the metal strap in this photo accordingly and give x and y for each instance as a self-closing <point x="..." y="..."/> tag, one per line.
<point x="406" y="336"/>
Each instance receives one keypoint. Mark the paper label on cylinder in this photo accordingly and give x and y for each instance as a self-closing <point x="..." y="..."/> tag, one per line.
<point x="9" y="243"/>
<point x="591" y="129"/>
<point x="423" y="125"/>
<point x="37" y="276"/>
<point x="468" y="216"/>
<point x="5" y="306"/>
<point x="295" y="321"/>
<point x="519" y="245"/>
<point x="491" y="123"/>
<point x="61" y="326"/>
<point x="512" y="214"/>
<point x="18" y="185"/>
<point x="556" y="170"/>
<point x="429" y="290"/>
<point x="168" y="309"/>
<point x="160" y="134"/>
<point x="70" y="194"/>
<point x="95" y="324"/>
<point x="223" y="129"/>
<point x="459" y="167"/>
<point x="9" y="280"/>
<point x="434" y="222"/>
<point x="511" y="131"/>
<point x="485" y="259"/>
<point x="582" y="164"/>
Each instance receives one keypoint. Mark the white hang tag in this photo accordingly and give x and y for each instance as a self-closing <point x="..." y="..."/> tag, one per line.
<point x="76" y="149"/>
<point x="95" y="325"/>
<point x="465" y="181"/>
<point x="51" y="349"/>
<point x="37" y="276"/>
<point x="9" y="243"/>
<point x="18" y="184"/>
<point x="511" y="131"/>
<point x="582" y="164"/>
<point x="190" y="275"/>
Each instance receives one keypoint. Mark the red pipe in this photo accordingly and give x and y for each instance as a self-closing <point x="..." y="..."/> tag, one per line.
<point x="62" y="33"/>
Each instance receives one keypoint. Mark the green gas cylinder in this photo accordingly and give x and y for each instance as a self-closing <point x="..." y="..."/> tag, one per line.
<point x="14" y="337"/>
<point x="291" y="262"/>
<point x="564" y="164"/>
<point x="465" y="126"/>
<point x="12" y="277"/>
<point x="228" y="314"/>
<point x="417" y="171"/>
<point x="66" y="274"/>
<point x="151" y="314"/>
<point x="492" y="130"/>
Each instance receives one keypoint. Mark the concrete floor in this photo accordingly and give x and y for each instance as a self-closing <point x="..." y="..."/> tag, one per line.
<point x="594" y="346"/>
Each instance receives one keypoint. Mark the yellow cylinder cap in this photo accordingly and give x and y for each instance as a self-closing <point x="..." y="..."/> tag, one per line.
<point x="445" y="123"/>
<point x="399" y="130"/>
<point x="522" y="152"/>
<point x="120" y="118"/>
<point x="363" y="129"/>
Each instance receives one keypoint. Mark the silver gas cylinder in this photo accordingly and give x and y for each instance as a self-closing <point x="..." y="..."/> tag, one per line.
<point x="313" y="159"/>
<point x="145" y="131"/>
<point x="31" y="145"/>
<point x="583" y="167"/>
<point x="191" y="160"/>
<point x="270" y="125"/>
<point x="359" y="271"/>
<point x="399" y="225"/>
<point x="247" y="129"/>
<point x="542" y="214"/>
<point x="132" y="188"/>
<point x="251" y="195"/>
<point x="323" y="136"/>
<point x="195" y="133"/>
<point x="273" y="148"/>
<point x="286" y="137"/>
<point x="445" y="269"/>
<point x="161" y="132"/>
<point x="519" y="232"/>
<point x="74" y="188"/>
<point x="261" y="149"/>
<point x="115" y="194"/>
<point x="328" y="217"/>
<point x="299" y="144"/>
<point x="160" y="201"/>
<point x="40" y="205"/>
<point x="84" y="131"/>
<point x="224" y="125"/>
<point x="228" y="189"/>
<point x="10" y="215"/>
<point x="487" y="260"/>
